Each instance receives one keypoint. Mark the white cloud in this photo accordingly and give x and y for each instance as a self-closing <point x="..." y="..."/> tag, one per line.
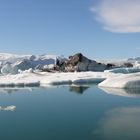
<point x="121" y="16"/>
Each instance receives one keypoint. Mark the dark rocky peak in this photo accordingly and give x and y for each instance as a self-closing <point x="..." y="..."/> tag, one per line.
<point x="78" y="57"/>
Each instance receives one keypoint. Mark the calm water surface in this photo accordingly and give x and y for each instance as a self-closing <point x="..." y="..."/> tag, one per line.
<point x="70" y="113"/>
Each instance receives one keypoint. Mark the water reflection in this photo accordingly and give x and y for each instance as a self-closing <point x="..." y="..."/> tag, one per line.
<point x="131" y="92"/>
<point x="119" y="124"/>
<point x="14" y="90"/>
<point x="80" y="89"/>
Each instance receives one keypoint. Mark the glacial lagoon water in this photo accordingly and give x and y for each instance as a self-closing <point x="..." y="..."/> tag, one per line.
<point x="83" y="112"/>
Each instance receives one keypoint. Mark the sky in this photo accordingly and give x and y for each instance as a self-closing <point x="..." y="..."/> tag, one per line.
<point x="100" y="29"/>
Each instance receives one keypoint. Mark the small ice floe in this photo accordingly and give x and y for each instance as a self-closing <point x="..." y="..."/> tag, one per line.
<point x="8" y="108"/>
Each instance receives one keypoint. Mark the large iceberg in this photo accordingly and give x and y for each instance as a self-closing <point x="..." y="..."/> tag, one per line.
<point x="11" y="63"/>
<point x="122" y="81"/>
<point x="30" y="78"/>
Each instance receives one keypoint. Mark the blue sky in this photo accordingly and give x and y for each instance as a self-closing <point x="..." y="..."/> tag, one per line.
<point x="97" y="28"/>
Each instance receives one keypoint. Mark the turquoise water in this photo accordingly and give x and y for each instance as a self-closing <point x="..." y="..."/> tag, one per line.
<point x="69" y="113"/>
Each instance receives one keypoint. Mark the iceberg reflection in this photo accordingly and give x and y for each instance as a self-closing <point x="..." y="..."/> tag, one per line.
<point x="14" y="90"/>
<point x="119" y="124"/>
<point x="131" y="92"/>
<point x="80" y="89"/>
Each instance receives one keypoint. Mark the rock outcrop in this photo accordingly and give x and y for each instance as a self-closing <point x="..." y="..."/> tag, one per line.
<point x="79" y="63"/>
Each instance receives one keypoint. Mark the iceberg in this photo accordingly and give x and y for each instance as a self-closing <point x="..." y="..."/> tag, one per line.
<point x="76" y="77"/>
<point x="8" y="108"/>
<point x="122" y="81"/>
<point x="9" y="69"/>
<point x="11" y="63"/>
<point x="35" y="78"/>
<point x="24" y="65"/>
<point x="124" y="70"/>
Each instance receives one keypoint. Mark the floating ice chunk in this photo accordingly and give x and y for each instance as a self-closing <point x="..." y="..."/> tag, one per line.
<point x="122" y="81"/>
<point x="8" y="108"/>
<point x="20" y="80"/>
<point x="77" y="77"/>
<point x="123" y="70"/>
<point x="36" y="78"/>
